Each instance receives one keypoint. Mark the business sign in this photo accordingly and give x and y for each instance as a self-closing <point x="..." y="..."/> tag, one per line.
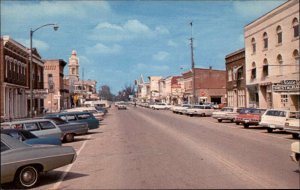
<point x="287" y="86"/>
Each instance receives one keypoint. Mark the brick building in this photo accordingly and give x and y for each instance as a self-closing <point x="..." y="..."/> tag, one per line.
<point x="236" y="79"/>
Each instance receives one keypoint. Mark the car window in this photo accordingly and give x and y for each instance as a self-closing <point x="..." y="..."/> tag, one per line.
<point x="16" y="135"/>
<point x="31" y="126"/>
<point x="276" y="113"/>
<point x="83" y="116"/>
<point x="27" y="135"/>
<point x="4" y="147"/>
<point x="46" y="125"/>
<point x="71" y="117"/>
<point x="58" y="121"/>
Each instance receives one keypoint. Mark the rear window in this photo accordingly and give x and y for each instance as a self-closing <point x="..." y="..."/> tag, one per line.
<point x="4" y="147"/>
<point x="83" y="116"/>
<point x="47" y="125"/>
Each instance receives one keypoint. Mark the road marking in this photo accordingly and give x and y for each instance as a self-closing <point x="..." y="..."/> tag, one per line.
<point x="57" y="184"/>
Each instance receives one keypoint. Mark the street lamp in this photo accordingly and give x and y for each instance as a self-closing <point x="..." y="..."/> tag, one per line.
<point x="55" y="27"/>
<point x="193" y="65"/>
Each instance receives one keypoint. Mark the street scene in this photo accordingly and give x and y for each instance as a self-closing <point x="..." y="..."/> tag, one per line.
<point x="150" y="94"/>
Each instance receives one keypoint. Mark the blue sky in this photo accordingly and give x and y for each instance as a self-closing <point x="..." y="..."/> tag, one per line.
<point x="117" y="41"/>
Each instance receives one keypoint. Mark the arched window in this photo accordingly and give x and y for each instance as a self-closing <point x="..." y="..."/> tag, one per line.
<point x="296" y="55"/>
<point x="253" y="45"/>
<point x="296" y="27"/>
<point x="279" y="34"/>
<point x="253" y="71"/>
<point x="280" y="63"/>
<point x="265" y="37"/>
<point x="265" y="68"/>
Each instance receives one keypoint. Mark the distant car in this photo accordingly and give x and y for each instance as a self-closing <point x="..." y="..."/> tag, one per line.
<point x="275" y="119"/>
<point x="70" y="129"/>
<point x="22" y="163"/>
<point x="201" y="110"/>
<point x="101" y="109"/>
<point x="39" y="127"/>
<point x="121" y="106"/>
<point x="29" y="138"/>
<point x="249" y="116"/>
<point x="226" y="113"/>
<point x="82" y="117"/>
<point x="295" y="149"/>
<point x="160" y="106"/>
<point x="179" y="108"/>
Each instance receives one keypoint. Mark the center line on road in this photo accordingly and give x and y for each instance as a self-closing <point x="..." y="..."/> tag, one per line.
<point x="57" y="184"/>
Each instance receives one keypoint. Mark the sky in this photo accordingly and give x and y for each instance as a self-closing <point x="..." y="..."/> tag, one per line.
<point x="118" y="41"/>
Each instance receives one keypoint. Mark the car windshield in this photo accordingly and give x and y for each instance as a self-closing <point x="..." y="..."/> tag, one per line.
<point x="227" y="109"/>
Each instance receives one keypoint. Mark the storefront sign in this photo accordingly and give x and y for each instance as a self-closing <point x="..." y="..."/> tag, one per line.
<point x="287" y="86"/>
<point x="37" y="91"/>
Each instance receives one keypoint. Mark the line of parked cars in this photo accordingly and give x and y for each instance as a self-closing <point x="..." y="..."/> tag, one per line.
<point x="32" y="146"/>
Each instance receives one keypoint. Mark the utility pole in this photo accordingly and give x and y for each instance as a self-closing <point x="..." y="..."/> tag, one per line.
<point x="193" y="65"/>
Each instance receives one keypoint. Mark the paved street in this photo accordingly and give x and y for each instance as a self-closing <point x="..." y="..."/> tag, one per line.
<point x="142" y="148"/>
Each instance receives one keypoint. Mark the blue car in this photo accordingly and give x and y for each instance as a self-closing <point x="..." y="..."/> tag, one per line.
<point x="29" y="138"/>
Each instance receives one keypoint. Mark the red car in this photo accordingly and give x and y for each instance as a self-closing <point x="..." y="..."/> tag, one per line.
<point x="249" y="116"/>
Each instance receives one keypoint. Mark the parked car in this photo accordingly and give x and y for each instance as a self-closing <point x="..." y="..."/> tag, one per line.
<point x="226" y="113"/>
<point x="160" y="106"/>
<point x="295" y="149"/>
<point x="179" y="108"/>
<point x="292" y="124"/>
<point x="201" y="110"/>
<point x="22" y="163"/>
<point x="39" y="127"/>
<point x="249" y="116"/>
<point x="70" y="129"/>
<point x="101" y="109"/>
<point x="275" y="119"/>
<point x="97" y="114"/>
<point x="29" y="138"/>
<point x="82" y="117"/>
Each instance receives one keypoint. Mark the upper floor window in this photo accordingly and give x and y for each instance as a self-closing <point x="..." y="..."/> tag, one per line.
<point x="265" y="68"/>
<point x="253" y="71"/>
<point x="296" y="55"/>
<point x="229" y="75"/>
<point x="279" y="61"/>
<point x="240" y="73"/>
<point x="279" y="34"/>
<point x="265" y="37"/>
<point x="253" y="43"/>
<point x="296" y="27"/>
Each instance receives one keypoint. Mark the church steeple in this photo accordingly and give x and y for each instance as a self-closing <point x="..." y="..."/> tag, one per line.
<point x="74" y="67"/>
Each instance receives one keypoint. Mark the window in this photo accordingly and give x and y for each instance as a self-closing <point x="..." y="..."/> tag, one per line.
<point x="229" y="75"/>
<point x="265" y="38"/>
<point x="279" y="61"/>
<point x="279" y="35"/>
<point x="296" y="55"/>
<point x="253" y="45"/>
<point x="253" y="71"/>
<point x="47" y="125"/>
<point x="31" y="126"/>
<point x="240" y="73"/>
<point x="4" y="147"/>
<point x="83" y="116"/>
<point x="296" y="27"/>
<point x="284" y="100"/>
<point x="265" y="68"/>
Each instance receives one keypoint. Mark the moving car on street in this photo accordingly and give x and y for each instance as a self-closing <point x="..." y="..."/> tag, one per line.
<point x="22" y="163"/>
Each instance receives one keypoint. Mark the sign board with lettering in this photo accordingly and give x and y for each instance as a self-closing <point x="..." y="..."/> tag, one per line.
<point x="287" y="86"/>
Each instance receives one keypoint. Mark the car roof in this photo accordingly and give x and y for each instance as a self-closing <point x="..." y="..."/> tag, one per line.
<point x="68" y="113"/>
<point x="25" y="121"/>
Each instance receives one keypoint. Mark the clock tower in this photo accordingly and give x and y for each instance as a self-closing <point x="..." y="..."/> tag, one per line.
<point x="73" y="67"/>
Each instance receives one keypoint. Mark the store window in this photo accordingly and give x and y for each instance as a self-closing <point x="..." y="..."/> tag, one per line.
<point x="284" y="100"/>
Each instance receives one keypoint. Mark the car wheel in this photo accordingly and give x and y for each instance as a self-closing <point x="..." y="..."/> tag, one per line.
<point x="219" y="120"/>
<point x="69" y="137"/>
<point x="237" y="123"/>
<point x="191" y="115"/>
<point x="203" y="114"/>
<point x="270" y="130"/>
<point x="246" y="125"/>
<point x="27" y="177"/>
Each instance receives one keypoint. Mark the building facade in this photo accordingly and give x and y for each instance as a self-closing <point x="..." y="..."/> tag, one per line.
<point x="58" y="96"/>
<point x="236" y="80"/>
<point x="154" y="88"/>
<point x="272" y="58"/>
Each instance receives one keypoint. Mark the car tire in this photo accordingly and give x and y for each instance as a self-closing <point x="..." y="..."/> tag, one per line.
<point x="237" y="123"/>
<point x="270" y="130"/>
<point x="191" y="115"/>
<point x="203" y="115"/>
<point x="26" y="177"/>
<point x="69" y="137"/>
<point x="246" y="126"/>
<point x="219" y="120"/>
<point x="295" y="136"/>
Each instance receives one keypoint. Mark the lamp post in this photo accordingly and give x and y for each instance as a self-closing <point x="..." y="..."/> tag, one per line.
<point x="193" y="65"/>
<point x="55" y="27"/>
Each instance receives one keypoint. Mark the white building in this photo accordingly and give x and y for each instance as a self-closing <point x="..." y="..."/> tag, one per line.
<point x="272" y="58"/>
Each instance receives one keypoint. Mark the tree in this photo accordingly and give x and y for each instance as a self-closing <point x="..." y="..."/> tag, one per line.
<point x="123" y="95"/>
<point x="104" y="93"/>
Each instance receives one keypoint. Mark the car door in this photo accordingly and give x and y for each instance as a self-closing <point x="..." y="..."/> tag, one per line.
<point x="33" y="127"/>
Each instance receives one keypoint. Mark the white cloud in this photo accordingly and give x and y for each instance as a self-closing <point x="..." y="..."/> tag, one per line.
<point x="255" y="8"/>
<point x="40" y="45"/>
<point x="131" y="29"/>
<point x="100" y="48"/>
<point x="160" y="56"/>
<point x="172" y="43"/>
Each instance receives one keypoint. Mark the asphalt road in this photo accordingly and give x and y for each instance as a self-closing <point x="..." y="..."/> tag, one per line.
<point x="141" y="148"/>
